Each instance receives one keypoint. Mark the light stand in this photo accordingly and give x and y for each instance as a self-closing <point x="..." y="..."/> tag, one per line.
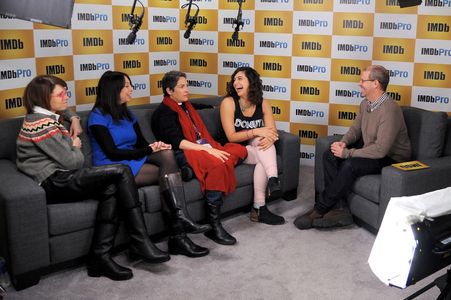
<point x="432" y="254"/>
<point x="443" y="283"/>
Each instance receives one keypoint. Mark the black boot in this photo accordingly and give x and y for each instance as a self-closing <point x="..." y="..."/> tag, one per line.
<point x="141" y="246"/>
<point x="217" y="232"/>
<point x="273" y="190"/>
<point x="264" y="215"/>
<point x="182" y="244"/>
<point x="174" y="200"/>
<point x="100" y="262"/>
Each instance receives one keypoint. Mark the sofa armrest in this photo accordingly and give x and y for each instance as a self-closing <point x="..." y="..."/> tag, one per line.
<point x="288" y="147"/>
<point x="322" y="145"/>
<point x="396" y="183"/>
<point x="23" y="212"/>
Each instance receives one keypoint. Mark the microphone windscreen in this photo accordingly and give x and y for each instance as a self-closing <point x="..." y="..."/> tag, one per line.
<point x="187" y="33"/>
<point x="407" y="3"/>
<point x="131" y="38"/>
<point x="235" y="35"/>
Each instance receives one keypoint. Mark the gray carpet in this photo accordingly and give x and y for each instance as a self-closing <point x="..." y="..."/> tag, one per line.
<point x="269" y="262"/>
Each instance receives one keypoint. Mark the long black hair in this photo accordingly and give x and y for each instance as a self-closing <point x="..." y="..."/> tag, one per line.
<point x="255" y="93"/>
<point x="108" y="95"/>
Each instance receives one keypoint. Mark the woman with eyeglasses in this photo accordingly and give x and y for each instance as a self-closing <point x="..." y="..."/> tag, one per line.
<point x="116" y="138"/>
<point x="53" y="158"/>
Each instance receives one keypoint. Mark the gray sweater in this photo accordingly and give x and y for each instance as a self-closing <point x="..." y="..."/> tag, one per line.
<point x="44" y="146"/>
<point x="383" y="131"/>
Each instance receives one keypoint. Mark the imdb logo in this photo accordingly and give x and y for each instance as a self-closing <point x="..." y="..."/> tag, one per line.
<point x="61" y="66"/>
<point x="193" y="62"/>
<point x="273" y="66"/>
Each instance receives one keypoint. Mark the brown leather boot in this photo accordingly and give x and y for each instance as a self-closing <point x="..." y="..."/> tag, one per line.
<point x="334" y="218"/>
<point x="306" y="220"/>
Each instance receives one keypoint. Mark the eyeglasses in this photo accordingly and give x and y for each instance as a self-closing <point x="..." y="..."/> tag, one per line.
<point x="363" y="80"/>
<point x="62" y="94"/>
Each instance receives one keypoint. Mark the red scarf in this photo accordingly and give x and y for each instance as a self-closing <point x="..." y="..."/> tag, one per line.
<point x="210" y="171"/>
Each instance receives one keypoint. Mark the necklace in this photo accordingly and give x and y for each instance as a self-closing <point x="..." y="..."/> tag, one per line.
<point x="244" y="107"/>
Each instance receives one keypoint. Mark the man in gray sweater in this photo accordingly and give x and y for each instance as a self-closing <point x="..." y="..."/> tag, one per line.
<point x="377" y="138"/>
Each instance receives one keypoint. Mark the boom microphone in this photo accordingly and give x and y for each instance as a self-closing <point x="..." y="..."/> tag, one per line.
<point x="238" y="22"/>
<point x="190" y="21"/>
<point x="188" y="30"/>
<point x="134" y="23"/>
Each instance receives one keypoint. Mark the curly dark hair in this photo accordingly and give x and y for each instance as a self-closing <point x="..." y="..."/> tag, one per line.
<point x="255" y="85"/>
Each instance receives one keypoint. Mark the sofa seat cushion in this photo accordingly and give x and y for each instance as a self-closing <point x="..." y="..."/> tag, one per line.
<point x="71" y="217"/>
<point x="427" y="131"/>
<point x="368" y="187"/>
<point x="150" y="198"/>
<point x="150" y="195"/>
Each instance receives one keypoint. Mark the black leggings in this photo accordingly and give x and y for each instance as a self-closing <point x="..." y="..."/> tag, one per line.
<point x="157" y="165"/>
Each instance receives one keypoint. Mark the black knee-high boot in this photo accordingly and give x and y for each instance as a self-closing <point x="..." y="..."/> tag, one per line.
<point x="217" y="233"/>
<point x="174" y="202"/>
<point x="141" y="246"/>
<point x="100" y="262"/>
<point x="180" y="243"/>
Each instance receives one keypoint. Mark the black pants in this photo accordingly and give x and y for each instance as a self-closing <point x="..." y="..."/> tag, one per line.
<point x="99" y="183"/>
<point x="340" y="174"/>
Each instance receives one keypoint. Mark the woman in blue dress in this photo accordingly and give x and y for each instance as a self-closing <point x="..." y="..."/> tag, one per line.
<point x="116" y="138"/>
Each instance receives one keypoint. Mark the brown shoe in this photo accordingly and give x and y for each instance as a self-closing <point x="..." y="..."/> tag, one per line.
<point x="305" y="221"/>
<point x="334" y="218"/>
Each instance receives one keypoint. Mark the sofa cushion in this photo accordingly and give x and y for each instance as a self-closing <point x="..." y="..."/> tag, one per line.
<point x="447" y="150"/>
<point x="71" y="217"/>
<point x="212" y="121"/>
<point x="150" y="198"/>
<point x="8" y="135"/>
<point x="150" y="195"/>
<point x="427" y="131"/>
<point x="144" y="117"/>
<point x="368" y="187"/>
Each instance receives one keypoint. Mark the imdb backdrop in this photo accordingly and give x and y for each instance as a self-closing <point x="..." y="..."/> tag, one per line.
<point x="309" y="53"/>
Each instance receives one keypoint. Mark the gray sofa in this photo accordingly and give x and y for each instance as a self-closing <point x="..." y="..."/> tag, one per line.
<point x="36" y="238"/>
<point x="430" y="136"/>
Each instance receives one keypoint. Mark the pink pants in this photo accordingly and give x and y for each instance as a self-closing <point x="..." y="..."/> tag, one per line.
<point x="265" y="167"/>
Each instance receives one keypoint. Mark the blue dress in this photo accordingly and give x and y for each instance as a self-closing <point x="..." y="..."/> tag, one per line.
<point x="124" y="137"/>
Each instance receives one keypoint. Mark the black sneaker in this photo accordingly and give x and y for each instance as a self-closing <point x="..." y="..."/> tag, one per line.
<point x="263" y="215"/>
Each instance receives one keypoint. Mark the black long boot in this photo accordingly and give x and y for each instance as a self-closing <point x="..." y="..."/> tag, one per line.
<point x="217" y="232"/>
<point x="174" y="200"/>
<point x="180" y="243"/>
<point x="141" y="246"/>
<point x="100" y="262"/>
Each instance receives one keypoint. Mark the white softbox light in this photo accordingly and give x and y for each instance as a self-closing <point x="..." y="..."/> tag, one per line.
<point x="392" y="256"/>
